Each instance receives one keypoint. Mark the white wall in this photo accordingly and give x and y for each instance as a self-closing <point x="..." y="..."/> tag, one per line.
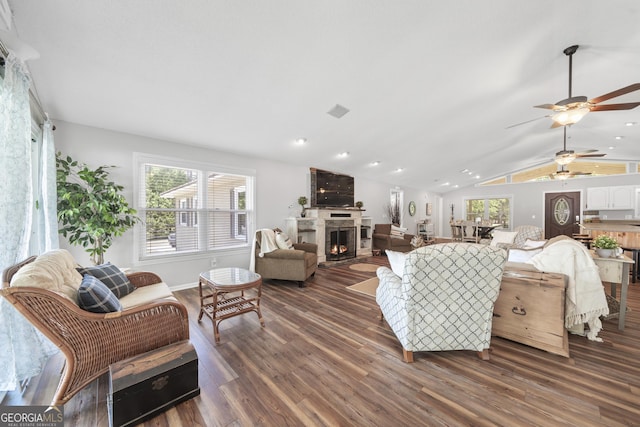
<point x="528" y="198"/>
<point x="278" y="186"/>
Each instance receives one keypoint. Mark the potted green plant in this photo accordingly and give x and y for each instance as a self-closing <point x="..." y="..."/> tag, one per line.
<point x="359" y="204"/>
<point x="605" y="246"/>
<point x="91" y="209"/>
<point x="302" y="201"/>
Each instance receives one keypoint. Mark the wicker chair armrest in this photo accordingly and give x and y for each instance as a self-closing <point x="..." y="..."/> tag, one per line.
<point x="143" y="278"/>
<point x="307" y="247"/>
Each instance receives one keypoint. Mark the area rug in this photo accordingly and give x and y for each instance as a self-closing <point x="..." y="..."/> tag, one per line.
<point x="364" y="267"/>
<point x="368" y="287"/>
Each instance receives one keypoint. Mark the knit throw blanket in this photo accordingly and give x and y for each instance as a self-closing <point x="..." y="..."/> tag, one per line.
<point x="267" y="244"/>
<point x="585" y="298"/>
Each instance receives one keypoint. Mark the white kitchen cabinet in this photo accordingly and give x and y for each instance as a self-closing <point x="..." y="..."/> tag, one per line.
<point x="611" y="198"/>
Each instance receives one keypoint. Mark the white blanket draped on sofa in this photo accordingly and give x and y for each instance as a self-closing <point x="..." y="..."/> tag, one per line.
<point x="585" y="298"/>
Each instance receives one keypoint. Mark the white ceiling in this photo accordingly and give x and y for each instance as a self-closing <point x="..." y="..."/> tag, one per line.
<point x="432" y="86"/>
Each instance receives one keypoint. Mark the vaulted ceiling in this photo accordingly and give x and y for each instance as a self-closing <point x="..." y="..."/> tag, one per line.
<point x="431" y="87"/>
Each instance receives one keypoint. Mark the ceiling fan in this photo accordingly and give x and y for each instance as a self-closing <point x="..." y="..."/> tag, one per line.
<point x="565" y="174"/>
<point x="571" y="110"/>
<point x="564" y="156"/>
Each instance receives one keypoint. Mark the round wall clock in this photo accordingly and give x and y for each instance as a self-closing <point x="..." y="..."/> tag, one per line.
<point x="412" y="208"/>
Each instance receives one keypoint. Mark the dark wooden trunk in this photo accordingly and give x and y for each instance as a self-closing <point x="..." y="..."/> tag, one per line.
<point x="146" y="385"/>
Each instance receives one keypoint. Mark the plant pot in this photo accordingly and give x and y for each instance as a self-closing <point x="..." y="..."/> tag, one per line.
<point x="605" y="253"/>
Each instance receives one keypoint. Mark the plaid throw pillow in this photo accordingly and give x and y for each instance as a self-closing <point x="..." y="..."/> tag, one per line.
<point x="94" y="296"/>
<point x="111" y="276"/>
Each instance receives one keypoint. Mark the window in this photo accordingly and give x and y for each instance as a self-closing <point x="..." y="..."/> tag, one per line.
<point x="191" y="208"/>
<point x="492" y="210"/>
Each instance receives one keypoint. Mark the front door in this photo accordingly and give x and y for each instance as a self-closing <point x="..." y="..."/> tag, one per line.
<point x="561" y="214"/>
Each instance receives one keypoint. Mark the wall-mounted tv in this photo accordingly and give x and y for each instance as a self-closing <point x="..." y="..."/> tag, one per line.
<point x="330" y="189"/>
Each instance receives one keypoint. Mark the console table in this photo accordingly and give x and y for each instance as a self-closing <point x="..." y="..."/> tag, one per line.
<point x="616" y="271"/>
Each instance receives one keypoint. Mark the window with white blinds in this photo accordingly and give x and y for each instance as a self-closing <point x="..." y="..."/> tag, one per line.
<point x="189" y="208"/>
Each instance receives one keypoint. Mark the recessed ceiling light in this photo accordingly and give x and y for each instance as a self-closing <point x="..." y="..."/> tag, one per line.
<point x="399" y="169"/>
<point x="612" y="147"/>
<point x="456" y="186"/>
<point x="301" y="141"/>
<point x="375" y="163"/>
<point x="630" y="123"/>
<point x="343" y="154"/>
<point x="619" y="137"/>
<point x="464" y="171"/>
<point x="477" y="176"/>
<point x="446" y="183"/>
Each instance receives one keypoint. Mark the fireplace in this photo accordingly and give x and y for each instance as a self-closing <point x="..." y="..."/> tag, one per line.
<point x="340" y="240"/>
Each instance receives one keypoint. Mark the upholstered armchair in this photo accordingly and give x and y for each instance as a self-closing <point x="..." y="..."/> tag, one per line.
<point x="384" y="239"/>
<point x="526" y="232"/>
<point x="297" y="264"/>
<point x="444" y="299"/>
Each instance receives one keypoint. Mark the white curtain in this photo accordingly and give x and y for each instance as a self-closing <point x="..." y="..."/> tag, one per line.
<point x="47" y="235"/>
<point x="16" y="195"/>
<point x="24" y="349"/>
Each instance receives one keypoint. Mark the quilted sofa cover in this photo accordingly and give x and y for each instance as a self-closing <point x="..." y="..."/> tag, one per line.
<point x="444" y="299"/>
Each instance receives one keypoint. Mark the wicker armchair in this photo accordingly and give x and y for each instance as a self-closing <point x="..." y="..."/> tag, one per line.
<point x="89" y="341"/>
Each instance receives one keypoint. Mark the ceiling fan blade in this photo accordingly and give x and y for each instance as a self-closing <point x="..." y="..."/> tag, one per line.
<point x="590" y="155"/>
<point x="610" y="107"/>
<point x="615" y="93"/>
<point x="580" y="173"/>
<point x="547" y="106"/>
<point x="528" y="121"/>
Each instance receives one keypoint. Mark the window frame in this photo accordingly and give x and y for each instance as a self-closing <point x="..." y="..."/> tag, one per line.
<point x="486" y="200"/>
<point x="141" y="254"/>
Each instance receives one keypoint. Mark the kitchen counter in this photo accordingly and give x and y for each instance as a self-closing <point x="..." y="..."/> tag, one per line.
<point x="627" y="232"/>
<point x="619" y="226"/>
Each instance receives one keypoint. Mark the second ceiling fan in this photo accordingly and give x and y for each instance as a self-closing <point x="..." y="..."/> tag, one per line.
<point x="564" y="157"/>
<point x="571" y="110"/>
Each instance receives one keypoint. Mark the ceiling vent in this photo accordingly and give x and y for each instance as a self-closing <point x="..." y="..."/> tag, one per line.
<point x="5" y="16"/>
<point x="338" y="111"/>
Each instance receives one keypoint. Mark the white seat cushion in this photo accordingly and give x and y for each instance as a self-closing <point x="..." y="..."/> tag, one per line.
<point x="146" y="294"/>
<point x="504" y="237"/>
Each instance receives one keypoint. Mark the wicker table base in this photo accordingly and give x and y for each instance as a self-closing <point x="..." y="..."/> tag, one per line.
<point x="222" y="295"/>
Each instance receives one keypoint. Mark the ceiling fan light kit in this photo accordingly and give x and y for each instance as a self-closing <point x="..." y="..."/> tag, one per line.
<point x="569" y="117"/>
<point x="565" y="158"/>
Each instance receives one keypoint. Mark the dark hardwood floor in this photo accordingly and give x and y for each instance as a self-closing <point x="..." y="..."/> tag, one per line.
<point x="325" y="358"/>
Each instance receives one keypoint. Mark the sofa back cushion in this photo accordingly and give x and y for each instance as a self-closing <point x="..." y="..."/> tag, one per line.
<point x="382" y="229"/>
<point x="54" y="270"/>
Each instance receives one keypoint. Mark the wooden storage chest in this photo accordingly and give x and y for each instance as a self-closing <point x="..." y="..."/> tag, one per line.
<point x="530" y="310"/>
<point x="148" y="384"/>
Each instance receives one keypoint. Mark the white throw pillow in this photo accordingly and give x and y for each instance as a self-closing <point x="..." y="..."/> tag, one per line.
<point x="506" y="237"/>
<point x="534" y="243"/>
<point x="396" y="259"/>
<point x="397" y="231"/>
<point x="283" y="241"/>
<point x="523" y="255"/>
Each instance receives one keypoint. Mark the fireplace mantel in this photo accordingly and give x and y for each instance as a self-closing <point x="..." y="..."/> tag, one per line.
<point x="312" y="228"/>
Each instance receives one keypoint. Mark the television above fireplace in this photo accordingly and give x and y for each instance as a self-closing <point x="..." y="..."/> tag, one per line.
<point x="331" y="190"/>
